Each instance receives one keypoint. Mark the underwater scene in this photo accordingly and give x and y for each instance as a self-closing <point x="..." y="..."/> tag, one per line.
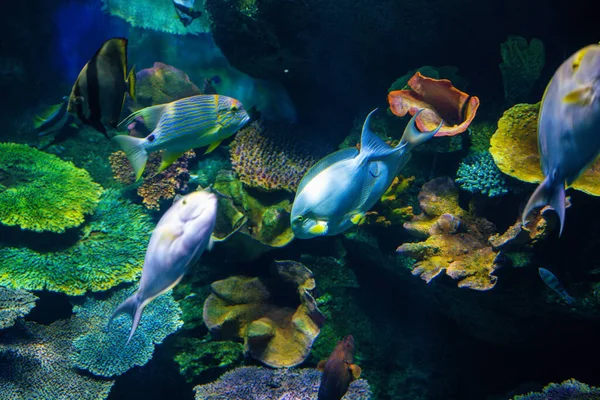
<point x="299" y="199"/>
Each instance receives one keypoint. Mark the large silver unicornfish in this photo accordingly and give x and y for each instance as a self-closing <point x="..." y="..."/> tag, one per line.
<point x="180" y="237"/>
<point x="337" y="191"/>
<point x="568" y="128"/>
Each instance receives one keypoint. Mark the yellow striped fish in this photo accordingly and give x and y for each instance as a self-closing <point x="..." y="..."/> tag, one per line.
<point x="196" y="121"/>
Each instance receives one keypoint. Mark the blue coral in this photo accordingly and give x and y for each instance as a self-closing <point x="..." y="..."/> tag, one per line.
<point x="478" y="173"/>
<point x="103" y="349"/>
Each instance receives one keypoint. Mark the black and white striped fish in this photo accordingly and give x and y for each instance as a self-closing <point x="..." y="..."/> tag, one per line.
<point x="553" y="283"/>
<point x="185" y="11"/>
<point x="99" y="91"/>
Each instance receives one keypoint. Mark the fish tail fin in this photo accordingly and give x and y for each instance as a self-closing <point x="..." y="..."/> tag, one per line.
<point x="547" y="193"/>
<point x="131" y="80"/>
<point x="371" y="146"/>
<point x="134" y="308"/>
<point x="136" y="152"/>
<point x="569" y="299"/>
<point x="149" y="115"/>
<point x="413" y="136"/>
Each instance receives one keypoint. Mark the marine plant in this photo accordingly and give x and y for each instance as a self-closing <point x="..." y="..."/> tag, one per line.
<point x="246" y="308"/>
<point x="514" y="147"/>
<point x="570" y="389"/>
<point x="155" y="187"/>
<point x="103" y="350"/>
<point x="270" y="157"/>
<point x="258" y="383"/>
<point x="521" y="66"/>
<point x="110" y="249"/>
<point x="13" y="305"/>
<point x="40" y="192"/>
<point x="199" y="356"/>
<point x="478" y="173"/>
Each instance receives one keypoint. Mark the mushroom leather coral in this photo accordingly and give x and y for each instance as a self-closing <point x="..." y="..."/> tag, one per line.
<point x="441" y="102"/>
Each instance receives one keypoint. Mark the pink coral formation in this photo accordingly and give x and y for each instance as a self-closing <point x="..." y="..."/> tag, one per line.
<point x="270" y="157"/>
<point x="155" y="187"/>
<point x="441" y="102"/>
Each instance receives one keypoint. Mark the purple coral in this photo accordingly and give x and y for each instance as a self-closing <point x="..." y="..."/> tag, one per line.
<point x="271" y="157"/>
<point x="257" y="383"/>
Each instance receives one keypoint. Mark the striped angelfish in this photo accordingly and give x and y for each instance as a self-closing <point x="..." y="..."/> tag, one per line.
<point x="99" y="91"/>
<point x="53" y="119"/>
<point x="196" y="121"/>
<point x="553" y="283"/>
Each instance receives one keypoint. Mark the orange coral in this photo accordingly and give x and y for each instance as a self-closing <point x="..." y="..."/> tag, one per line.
<point x="441" y="102"/>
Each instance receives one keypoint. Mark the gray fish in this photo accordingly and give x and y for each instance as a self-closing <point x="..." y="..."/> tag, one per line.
<point x="53" y="119"/>
<point x="185" y="11"/>
<point x="568" y="126"/>
<point x="337" y="191"/>
<point x="553" y="283"/>
<point x="99" y="92"/>
<point x="180" y="237"/>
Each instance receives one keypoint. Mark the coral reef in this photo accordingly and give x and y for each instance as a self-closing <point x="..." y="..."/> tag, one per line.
<point x="480" y="134"/>
<point x="478" y="173"/>
<point x="257" y="383"/>
<point x="515" y="150"/>
<point x="40" y="192"/>
<point x="270" y="157"/>
<point x="392" y="209"/>
<point x="38" y="364"/>
<point x="567" y="390"/>
<point x="440" y="101"/>
<point x="162" y="84"/>
<point x="155" y="187"/>
<point x="251" y="223"/>
<point x="157" y="15"/>
<point x="110" y="249"/>
<point x="521" y="66"/>
<point x="207" y="169"/>
<point x="277" y="335"/>
<point x="14" y="304"/>
<point x="446" y="72"/>
<point x="103" y="350"/>
<point x="199" y="356"/>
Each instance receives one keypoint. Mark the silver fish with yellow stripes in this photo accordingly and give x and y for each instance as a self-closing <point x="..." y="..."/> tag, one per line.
<point x="196" y="121"/>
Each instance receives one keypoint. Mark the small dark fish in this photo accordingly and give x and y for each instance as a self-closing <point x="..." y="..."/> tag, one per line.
<point x="553" y="283"/>
<point x="99" y="91"/>
<point x="53" y="119"/>
<point x="185" y="11"/>
<point x="338" y="371"/>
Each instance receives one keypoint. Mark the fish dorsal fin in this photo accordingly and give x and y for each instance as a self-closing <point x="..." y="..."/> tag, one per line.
<point x="582" y="96"/>
<point x="325" y="162"/>
<point x="371" y="146"/>
<point x="355" y="370"/>
<point x="150" y="115"/>
<point x="321" y="365"/>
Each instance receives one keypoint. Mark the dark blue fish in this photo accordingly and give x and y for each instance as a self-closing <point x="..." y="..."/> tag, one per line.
<point x="553" y="283"/>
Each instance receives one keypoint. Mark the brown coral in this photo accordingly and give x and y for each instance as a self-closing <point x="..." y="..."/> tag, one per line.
<point x="155" y="187"/>
<point x="277" y="335"/>
<point x="392" y="208"/>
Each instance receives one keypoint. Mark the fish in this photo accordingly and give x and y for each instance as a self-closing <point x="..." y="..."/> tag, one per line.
<point x="338" y="190"/>
<point x="53" y="119"/>
<point x="184" y="124"/>
<point x="338" y="371"/>
<point x="553" y="283"/>
<point x="99" y="92"/>
<point x="179" y="239"/>
<point x="568" y="125"/>
<point x="185" y="11"/>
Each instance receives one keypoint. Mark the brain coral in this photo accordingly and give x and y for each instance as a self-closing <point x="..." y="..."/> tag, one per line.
<point x="110" y="250"/>
<point x="40" y="192"/>
<point x="257" y="383"/>
<point x="14" y="304"/>
<point x="271" y="157"/>
<point x="103" y="351"/>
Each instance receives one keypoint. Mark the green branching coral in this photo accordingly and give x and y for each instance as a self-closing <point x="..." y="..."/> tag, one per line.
<point x="14" y="304"/>
<point x="110" y="250"/>
<point x="478" y="173"/>
<point x="521" y="66"/>
<point x="103" y="350"/>
<point x="199" y="355"/>
<point x="40" y="192"/>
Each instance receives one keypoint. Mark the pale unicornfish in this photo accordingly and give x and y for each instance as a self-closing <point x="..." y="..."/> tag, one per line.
<point x="185" y="11"/>
<point x="184" y="124"/>
<point x="568" y="128"/>
<point x="553" y="283"/>
<point x="180" y="237"/>
<point x="338" y="190"/>
<point x="99" y="92"/>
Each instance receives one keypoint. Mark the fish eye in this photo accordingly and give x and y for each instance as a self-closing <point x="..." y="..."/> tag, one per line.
<point x="184" y="201"/>
<point x="234" y="108"/>
<point x="299" y="218"/>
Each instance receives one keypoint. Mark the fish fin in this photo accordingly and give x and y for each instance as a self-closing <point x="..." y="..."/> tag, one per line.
<point x="150" y="115"/>
<point x="97" y="125"/>
<point x="413" y="136"/>
<point x="136" y="153"/>
<point x="45" y="115"/>
<point x="550" y="194"/>
<point x="131" y="80"/>
<point x="321" y="365"/>
<point x="356" y="370"/>
<point x="211" y="244"/>
<point x="582" y="96"/>
<point x="213" y="146"/>
<point x="168" y="158"/>
<point x="371" y="146"/>
<point x="73" y="125"/>
<point x="569" y="299"/>
<point x="134" y="308"/>
<point x="357" y="218"/>
<point x="319" y="229"/>
<point x="325" y="162"/>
